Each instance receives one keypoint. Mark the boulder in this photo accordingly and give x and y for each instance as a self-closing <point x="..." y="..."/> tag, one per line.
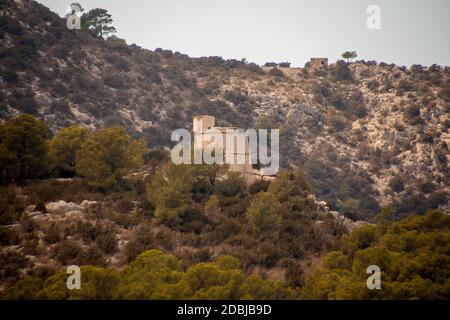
<point x="29" y="209"/>
<point x="40" y="217"/>
<point x="62" y="207"/>
<point x="87" y="204"/>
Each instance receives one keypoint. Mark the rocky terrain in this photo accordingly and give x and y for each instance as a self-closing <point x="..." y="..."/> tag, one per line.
<point x="368" y="134"/>
<point x="362" y="144"/>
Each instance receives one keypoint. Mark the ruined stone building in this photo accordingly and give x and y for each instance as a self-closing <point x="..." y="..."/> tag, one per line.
<point x="203" y="123"/>
<point x="318" y="63"/>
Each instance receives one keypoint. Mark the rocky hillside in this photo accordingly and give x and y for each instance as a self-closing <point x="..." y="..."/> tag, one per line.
<point x="368" y="134"/>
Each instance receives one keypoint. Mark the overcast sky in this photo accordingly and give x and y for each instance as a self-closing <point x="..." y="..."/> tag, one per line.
<point x="412" y="31"/>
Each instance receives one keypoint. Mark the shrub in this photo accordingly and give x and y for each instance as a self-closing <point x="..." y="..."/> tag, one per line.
<point x="264" y="214"/>
<point x="232" y="186"/>
<point x="23" y="148"/>
<point x="258" y="186"/>
<point x="284" y="64"/>
<point x="372" y="84"/>
<point x="116" y="81"/>
<point x="9" y="237"/>
<point x="61" y="106"/>
<point x="10" y="25"/>
<point x="235" y="97"/>
<point x="66" y="251"/>
<point x="66" y="144"/>
<point x="437" y="198"/>
<point x="396" y="184"/>
<point x="444" y="93"/>
<point x="120" y="63"/>
<point x="170" y="192"/>
<point x="23" y="100"/>
<point x="91" y="256"/>
<point x="405" y="86"/>
<point x="336" y="122"/>
<point x="276" y="72"/>
<point x="54" y="234"/>
<point x="10" y="76"/>
<point x="411" y="114"/>
<point x="417" y="204"/>
<point x="107" y="155"/>
<point x="341" y="71"/>
<point x="107" y="242"/>
<point x="427" y="187"/>
<point x="271" y="64"/>
<point x="396" y="250"/>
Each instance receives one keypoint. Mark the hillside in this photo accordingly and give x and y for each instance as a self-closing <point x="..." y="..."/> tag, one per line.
<point x="368" y="135"/>
<point x="86" y="178"/>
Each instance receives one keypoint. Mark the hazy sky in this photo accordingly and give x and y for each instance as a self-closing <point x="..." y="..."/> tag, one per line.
<point x="411" y="31"/>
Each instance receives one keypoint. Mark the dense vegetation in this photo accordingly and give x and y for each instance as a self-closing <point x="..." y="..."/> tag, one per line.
<point x="413" y="255"/>
<point x="106" y="198"/>
<point x="155" y="275"/>
<point x="335" y="121"/>
<point x="140" y="201"/>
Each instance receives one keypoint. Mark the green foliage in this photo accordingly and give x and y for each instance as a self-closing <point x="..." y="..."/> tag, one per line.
<point x="23" y="149"/>
<point x="405" y="86"/>
<point x="117" y="42"/>
<point x="96" y="284"/>
<point x="11" y="262"/>
<point x="284" y="64"/>
<point x="107" y="242"/>
<point x="170" y="191"/>
<point x="264" y="214"/>
<point x="155" y="275"/>
<point x="276" y="72"/>
<point x="233" y="185"/>
<point x="349" y="55"/>
<point x="290" y="184"/>
<point x="11" y="206"/>
<point x="206" y="177"/>
<point x="65" y="145"/>
<point x="411" y="114"/>
<point x="53" y="234"/>
<point x="341" y="71"/>
<point x="258" y="186"/>
<point x="413" y="255"/>
<point x="396" y="184"/>
<point x="353" y="189"/>
<point x="67" y="251"/>
<point x="348" y="205"/>
<point x="107" y="156"/>
<point x="99" y="21"/>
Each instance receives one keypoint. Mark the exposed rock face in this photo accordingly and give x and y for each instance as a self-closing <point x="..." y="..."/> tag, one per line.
<point x="62" y="207"/>
<point x="324" y="209"/>
<point x="88" y="205"/>
<point x="61" y="210"/>
<point x="353" y="131"/>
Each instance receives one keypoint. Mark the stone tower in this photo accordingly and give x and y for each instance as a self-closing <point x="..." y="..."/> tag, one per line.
<point x="200" y="125"/>
<point x="318" y="63"/>
<point x="203" y="123"/>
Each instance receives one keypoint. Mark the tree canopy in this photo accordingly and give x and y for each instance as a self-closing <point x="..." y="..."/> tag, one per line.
<point x="23" y="149"/>
<point x="107" y="155"/>
<point x="98" y="21"/>
<point x="413" y="255"/>
<point x="65" y="145"/>
<point x="349" y="55"/>
<point x="170" y="191"/>
<point x="156" y="275"/>
<point x="264" y="214"/>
